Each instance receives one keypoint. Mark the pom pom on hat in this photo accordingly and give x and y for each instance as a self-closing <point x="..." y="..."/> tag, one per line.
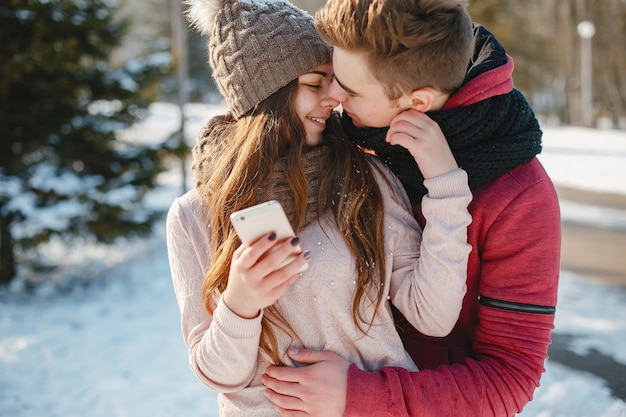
<point x="256" y="47"/>
<point x="201" y="14"/>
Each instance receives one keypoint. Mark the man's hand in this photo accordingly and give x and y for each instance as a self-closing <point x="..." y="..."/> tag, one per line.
<point x="318" y="389"/>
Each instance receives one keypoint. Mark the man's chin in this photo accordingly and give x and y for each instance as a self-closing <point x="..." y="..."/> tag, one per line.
<point x="356" y="121"/>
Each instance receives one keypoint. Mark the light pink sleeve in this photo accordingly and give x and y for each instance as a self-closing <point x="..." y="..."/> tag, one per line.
<point x="223" y="348"/>
<point x="429" y="281"/>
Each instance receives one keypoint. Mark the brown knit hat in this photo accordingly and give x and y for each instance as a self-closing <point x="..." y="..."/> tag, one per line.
<point x="256" y="47"/>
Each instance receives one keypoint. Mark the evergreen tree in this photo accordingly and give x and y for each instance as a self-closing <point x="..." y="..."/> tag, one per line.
<point x="63" y="169"/>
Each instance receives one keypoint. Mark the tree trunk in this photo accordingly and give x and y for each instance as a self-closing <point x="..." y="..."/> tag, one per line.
<point x="7" y="257"/>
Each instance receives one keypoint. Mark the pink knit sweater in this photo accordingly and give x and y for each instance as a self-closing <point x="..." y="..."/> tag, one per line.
<point x="425" y="279"/>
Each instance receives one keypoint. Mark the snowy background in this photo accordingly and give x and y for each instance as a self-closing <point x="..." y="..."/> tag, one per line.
<point x="112" y="346"/>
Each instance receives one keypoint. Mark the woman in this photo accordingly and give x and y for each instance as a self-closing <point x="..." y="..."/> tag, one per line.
<point x="281" y="140"/>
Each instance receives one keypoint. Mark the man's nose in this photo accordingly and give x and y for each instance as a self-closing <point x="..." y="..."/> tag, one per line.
<point x="336" y="92"/>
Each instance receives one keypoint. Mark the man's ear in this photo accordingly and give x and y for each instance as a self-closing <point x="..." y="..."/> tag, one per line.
<point x="421" y="99"/>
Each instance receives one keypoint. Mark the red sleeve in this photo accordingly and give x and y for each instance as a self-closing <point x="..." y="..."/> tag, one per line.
<point x="519" y="249"/>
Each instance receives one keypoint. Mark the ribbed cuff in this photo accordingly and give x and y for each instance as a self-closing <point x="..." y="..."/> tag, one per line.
<point x="234" y="325"/>
<point x="451" y="184"/>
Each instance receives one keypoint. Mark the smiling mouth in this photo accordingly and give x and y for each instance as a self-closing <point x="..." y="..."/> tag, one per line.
<point x="318" y="120"/>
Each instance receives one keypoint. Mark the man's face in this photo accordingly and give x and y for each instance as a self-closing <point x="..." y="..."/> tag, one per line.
<point x="361" y="95"/>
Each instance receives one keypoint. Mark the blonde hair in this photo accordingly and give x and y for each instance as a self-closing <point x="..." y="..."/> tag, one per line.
<point x="235" y="162"/>
<point x="408" y="44"/>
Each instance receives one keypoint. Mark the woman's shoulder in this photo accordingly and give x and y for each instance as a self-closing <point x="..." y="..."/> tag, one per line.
<point x="188" y="201"/>
<point x="188" y="224"/>
<point x="188" y="208"/>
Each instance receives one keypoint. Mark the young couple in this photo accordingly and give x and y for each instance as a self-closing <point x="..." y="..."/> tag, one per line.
<point x="425" y="91"/>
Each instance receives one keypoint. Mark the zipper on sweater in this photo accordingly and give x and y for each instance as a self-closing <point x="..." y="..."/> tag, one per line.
<point x="518" y="307"/>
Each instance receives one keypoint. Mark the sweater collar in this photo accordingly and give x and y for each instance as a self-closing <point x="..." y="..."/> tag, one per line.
<point x="489" y="73"/>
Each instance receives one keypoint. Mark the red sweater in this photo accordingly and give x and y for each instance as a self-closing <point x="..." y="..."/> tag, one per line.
<point x="491" y="363"/>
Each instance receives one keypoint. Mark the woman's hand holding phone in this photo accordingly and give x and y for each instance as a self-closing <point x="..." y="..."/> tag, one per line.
<point x="267" y="263"/>
<point x="256" y="279"/>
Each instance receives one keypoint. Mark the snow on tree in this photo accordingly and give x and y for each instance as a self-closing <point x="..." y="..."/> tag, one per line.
<point x="64" y="171"/>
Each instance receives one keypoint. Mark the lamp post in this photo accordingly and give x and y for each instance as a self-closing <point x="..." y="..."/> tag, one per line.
<point x="586" y="30"/>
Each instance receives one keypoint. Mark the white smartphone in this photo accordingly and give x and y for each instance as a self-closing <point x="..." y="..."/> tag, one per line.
<point x="253" y="222"/>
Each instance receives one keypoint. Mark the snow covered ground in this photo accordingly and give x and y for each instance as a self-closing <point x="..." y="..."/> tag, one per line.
<point x="113" y="348"/>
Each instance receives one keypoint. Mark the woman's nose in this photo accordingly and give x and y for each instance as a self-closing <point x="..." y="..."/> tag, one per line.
<point x="329" y="101"/>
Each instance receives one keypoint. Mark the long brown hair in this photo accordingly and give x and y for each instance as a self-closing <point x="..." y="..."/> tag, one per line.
<point x="235" y="160"/>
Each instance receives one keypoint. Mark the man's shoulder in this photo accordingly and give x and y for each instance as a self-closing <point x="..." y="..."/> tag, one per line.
<point x="517" y="181"/>
<point x="526" y="185"/>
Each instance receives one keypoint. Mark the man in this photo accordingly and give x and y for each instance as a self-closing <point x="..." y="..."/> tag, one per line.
<point x="397" y="64"/>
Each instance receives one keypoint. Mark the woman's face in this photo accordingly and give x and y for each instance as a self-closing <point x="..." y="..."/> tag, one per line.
<point x="313" y="105"/>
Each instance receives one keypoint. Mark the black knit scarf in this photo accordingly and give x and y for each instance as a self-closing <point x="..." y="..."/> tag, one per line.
<point x="488" y="139"/>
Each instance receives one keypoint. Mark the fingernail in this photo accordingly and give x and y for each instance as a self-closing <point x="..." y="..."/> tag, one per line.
<point x="295" y="241"/>
<point x="307" y="254"/>
<point x="272" y="236"/>
<point x="294" y="351"/>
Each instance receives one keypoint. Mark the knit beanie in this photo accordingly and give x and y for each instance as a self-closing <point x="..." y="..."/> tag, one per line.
<point x="256" y="47"/>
